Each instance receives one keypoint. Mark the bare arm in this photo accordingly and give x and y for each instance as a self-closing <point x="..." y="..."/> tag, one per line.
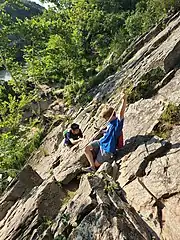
<point x="123" y="107"/>
<point x="75" y="141"/>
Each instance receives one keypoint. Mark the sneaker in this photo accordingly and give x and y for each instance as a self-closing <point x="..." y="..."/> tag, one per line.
<point x="89" y="169"/>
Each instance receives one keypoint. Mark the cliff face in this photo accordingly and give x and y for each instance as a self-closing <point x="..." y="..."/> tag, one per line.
<point x="135" y="198"/>
<point x="30" y="9"/>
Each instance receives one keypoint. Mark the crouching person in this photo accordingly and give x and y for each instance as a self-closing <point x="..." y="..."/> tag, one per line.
<point x="73" y="136"/>
<point x="103" y="150"/>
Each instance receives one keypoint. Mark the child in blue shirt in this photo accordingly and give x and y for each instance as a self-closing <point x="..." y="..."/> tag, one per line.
<point x="105" y="147"/>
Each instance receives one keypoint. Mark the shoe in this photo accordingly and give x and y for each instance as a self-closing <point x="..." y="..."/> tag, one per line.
<point x="88" y="169"/>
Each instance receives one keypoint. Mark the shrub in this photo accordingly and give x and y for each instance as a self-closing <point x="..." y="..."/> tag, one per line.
<point x="146" y="85"/>
<point x="14" y="150"/>
<point x="169" y="118"/>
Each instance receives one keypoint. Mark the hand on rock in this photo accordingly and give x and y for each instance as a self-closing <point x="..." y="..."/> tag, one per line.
<point x="75" y="147"/>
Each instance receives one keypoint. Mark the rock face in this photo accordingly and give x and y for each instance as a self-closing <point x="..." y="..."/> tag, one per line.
<point x="151" y="180"/>
<point x="46" y="105"/>
<point x="27" y="208"/>
<point x="99" y="211"/>
<point x="26" y="181"/>
<point x="135" y="198"/>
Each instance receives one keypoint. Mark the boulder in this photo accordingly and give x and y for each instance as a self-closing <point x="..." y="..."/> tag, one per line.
<point x="34" y="211"/>
<point x="19" y="188"/>
<point x="141" y="117"/>
<point x="172" y="59"/>
<point x="106" y="167"/>
<point x="171" y="91"/>
<point x="70" y="167"/>
<point x="99" y="211"/>
<point x="152" y="194"/>
<point x="42" y="160"/>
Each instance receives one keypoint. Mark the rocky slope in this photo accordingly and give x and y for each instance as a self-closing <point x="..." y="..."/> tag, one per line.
<point x="138" y="196"/>
<point x="30" y="9"/>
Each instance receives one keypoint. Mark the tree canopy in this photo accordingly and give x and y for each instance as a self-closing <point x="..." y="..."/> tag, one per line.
<point x="64" y="46"/>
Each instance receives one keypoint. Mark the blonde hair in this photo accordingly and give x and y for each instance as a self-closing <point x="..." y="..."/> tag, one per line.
<point x="107" y="113"/>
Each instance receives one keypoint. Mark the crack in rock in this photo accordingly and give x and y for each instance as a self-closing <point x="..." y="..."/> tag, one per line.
<point x="160" y="152"/>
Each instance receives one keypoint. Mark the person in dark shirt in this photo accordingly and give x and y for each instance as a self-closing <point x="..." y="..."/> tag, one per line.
<point x="73" y="136"/>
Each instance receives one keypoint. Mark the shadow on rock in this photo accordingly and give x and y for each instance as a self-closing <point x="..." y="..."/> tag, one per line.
<point x="131" y="145"/>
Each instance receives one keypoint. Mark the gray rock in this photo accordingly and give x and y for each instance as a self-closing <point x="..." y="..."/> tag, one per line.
<point x="33" y="211"/>
<point x="42" y="160"/>
<point x="106" y="167"/>
<point x="173" y="58"/>
<point x="171" y="91"/>
<point x="24" y="183"/>
<point x="141" y="117"/>
<point x="96" y="214"/>
<point x="160" y="186"/>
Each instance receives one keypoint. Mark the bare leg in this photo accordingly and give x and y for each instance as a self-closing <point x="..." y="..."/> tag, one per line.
<point x="97" y="164"/>
<point x="89" y="155"/>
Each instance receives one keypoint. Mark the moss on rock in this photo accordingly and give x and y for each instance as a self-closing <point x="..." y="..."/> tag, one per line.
<point x="169" y="118"/>
<point x="146" y="86"/>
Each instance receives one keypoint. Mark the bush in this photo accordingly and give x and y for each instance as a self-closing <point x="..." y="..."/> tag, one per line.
<point x="169" y="118"/>
<point x="15" y="149"/>
<point x="146" y="85"/>
<point x="147" y="14"/>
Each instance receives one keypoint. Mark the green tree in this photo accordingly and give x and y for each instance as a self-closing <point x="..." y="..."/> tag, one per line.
<point x="64" y="46"/>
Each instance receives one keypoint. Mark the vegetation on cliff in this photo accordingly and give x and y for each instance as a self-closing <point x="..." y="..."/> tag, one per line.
<point x="65" y="46"/>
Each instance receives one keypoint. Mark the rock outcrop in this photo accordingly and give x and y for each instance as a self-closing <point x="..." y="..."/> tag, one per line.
<point x="100" y="211"/>
<point x="135" y="198"/>
<point x="29" y="205"/>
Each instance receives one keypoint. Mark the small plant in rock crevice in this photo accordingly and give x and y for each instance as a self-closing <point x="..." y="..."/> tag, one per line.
<point x="146" y="85"/>
<point x="169" y="118"/>
<point x="60" y="237"/>
<point x="110" y="186"/>
<point x="69" y="196"/>
<point x="51" y="172"/>
<point x="65" y="218"/>
<point x="44" y="151"/>
<point x="46" y="222"/>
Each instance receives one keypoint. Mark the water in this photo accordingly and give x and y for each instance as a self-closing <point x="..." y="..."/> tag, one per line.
<point x="46" y="5"/>
<point x="5" y="75"/>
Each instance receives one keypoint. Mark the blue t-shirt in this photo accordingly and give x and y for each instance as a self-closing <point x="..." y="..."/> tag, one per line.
<point x="109" y="141"/>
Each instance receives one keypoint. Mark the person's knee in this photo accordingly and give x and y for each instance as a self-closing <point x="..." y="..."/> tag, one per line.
<point x="87" y="149"/>
<point x="97" y="164"/>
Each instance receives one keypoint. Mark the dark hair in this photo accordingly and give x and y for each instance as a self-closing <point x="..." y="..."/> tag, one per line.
<point x="74" y="126"/>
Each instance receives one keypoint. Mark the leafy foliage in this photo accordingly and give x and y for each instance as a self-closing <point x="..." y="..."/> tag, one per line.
<point x="60" y="237"/>
<point x="65" y="46"/>
<point x="14" y="151"/>
<point x="169" y="118"/>
<point x="146" y="87"/>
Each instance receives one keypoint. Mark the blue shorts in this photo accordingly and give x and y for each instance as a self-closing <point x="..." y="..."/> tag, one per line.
<point x="99" y="155"/>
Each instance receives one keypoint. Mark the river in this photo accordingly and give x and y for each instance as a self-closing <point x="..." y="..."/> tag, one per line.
<point x="5" y="75"/>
